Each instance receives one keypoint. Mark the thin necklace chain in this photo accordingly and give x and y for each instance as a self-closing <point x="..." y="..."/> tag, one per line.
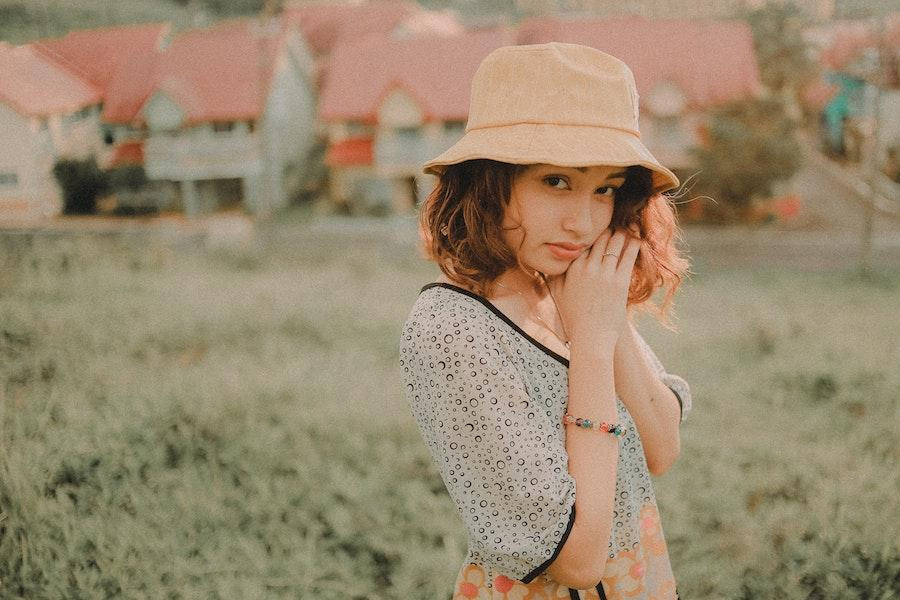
<point x="538" y="317"/>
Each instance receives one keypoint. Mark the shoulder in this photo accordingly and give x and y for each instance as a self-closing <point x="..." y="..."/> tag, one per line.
<point x="440" y="306"/>
<point x="449" y="319"/>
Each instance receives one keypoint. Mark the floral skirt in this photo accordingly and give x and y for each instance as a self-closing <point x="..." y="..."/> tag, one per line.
<point x="642" y="573"/>
<point x="471" y="584"/>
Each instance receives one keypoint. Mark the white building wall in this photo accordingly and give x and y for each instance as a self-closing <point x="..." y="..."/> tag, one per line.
<point x="287" y="129"/>
<point x="198" y="153"/>
<point x="80" y="134"/>
<point x="27" y="153"/>
<point x="15" y="143"/>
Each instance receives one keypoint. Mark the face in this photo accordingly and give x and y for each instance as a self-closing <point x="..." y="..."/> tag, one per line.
<point x="551" y="205"/>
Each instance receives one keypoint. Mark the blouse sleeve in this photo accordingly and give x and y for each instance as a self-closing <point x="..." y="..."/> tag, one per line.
<point x="502" y="459"/>
<point x="675" y="383"/>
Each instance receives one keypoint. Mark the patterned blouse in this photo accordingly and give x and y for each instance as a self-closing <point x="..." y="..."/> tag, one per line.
<point x="488" y="400"/>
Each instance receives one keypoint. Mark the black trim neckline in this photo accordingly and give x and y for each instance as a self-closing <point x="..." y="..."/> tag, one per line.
<point x="487" y="303"/>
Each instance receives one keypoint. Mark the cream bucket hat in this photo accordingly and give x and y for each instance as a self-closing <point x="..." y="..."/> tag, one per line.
<point x="561" y="104"/>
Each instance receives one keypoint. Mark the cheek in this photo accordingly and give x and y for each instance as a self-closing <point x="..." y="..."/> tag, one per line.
<point x="603" y="217"/>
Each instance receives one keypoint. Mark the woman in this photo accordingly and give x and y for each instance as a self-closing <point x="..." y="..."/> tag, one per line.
<point x="522" y="369"/>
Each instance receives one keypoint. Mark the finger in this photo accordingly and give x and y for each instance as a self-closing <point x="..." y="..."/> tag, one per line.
<point x="629" y="256"/>
<point x="610" y="257"/>
<point x="599" y="245"/>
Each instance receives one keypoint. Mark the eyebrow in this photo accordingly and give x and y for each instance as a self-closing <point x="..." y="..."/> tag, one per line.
<point x="610" y="176"/>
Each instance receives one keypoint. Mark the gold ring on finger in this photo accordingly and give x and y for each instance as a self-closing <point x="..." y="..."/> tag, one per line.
<point x="610" y="253"/>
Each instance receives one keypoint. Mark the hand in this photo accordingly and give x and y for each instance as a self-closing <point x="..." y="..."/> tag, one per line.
<point x="592" y="294"/>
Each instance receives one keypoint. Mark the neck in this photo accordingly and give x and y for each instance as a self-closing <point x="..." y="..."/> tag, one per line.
<point x="518" y="280"/>
<point x="520" y="287"/>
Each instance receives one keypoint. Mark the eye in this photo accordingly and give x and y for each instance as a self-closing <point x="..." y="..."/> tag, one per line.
<point x="556" y="181"/>
<point x="607" y="190"/>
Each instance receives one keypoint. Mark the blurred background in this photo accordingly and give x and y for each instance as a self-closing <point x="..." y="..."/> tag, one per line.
<point x="208" y="246"/>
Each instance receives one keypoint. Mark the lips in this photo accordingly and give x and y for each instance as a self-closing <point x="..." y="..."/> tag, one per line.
<point x="566" y="251"/>
<point x="568" y="245"/>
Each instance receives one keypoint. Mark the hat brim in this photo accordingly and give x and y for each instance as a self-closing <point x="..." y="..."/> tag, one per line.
<point x="561" y="145"/>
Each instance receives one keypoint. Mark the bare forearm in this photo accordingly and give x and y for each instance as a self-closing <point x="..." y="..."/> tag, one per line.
<point x="652" y="405"/>
<point x="593" y="458"/>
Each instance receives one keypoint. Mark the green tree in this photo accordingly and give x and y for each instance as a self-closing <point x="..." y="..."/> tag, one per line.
<point x="783" y="57"/>
<point x="234" y="7"/>
<point x="863" y="9"/>
<point x="748" y="146"/>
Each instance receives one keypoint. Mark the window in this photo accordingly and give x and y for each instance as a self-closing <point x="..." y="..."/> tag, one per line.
<point x="407" y="132"/>
<point x="357" y="128"/>
<point x="223" y="126"/>
<point x="8" y="179"/>
<point x="82" y="114"/>
<point x="454" y="127"/>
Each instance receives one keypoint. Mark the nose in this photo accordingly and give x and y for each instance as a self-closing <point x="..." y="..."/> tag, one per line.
<point x="579" y="219"/>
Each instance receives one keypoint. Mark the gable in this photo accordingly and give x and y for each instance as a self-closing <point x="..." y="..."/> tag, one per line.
<point x="162" y="113"/>
<point x="400" y="109"/>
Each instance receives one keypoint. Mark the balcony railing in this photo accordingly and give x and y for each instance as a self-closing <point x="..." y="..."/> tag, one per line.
<point x="187" y="157"/>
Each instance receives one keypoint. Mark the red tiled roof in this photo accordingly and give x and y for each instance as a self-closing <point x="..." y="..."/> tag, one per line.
<point x="98" y="54"/>
<point x="324" y="24"/>
<point x="34" y="86"/>
<point x="221" y="73"/>
<point x="349" y="153"/>
<point x="436" y="72"/>
<point x="127" y="153"/>
<point x="130" y="88"/>
<point x="710" y="61"/>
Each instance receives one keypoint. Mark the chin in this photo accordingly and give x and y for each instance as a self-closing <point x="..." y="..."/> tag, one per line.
<point x="556" y="269"/>
<point x="550" y="267"/>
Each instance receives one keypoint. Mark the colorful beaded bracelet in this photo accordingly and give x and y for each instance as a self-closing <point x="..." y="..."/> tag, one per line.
<point x="616" y="430"/>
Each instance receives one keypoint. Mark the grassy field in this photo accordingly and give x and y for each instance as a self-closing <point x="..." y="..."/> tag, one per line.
<point x="230" y="424"/>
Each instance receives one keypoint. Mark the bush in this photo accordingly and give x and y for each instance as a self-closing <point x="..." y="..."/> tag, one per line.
<point x="82" y="182"/>
<point x="748" y="148"/>
<point x="14" y="14"/>
<point x="827" y="569"/>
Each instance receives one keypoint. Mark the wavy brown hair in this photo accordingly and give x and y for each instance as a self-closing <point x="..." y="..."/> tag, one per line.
<point x="460" y="226"/>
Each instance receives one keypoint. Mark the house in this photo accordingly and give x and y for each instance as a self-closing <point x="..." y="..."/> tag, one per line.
<point x="226" y="114"/>
<point x="98" y="56"/>
<point x="682" y="68"/>
<point x="46" y="113"/>
<point x="324" y="25"/>
<point x="389" y="103"/>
